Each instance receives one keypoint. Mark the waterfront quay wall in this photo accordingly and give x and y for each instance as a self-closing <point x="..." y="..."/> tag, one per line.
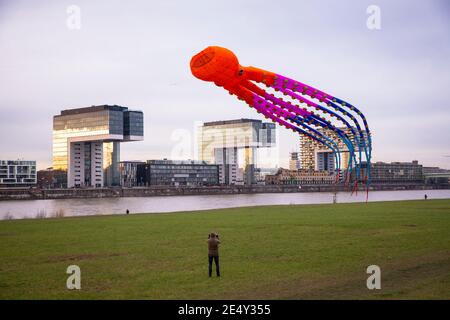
<point x="81" y="193"/>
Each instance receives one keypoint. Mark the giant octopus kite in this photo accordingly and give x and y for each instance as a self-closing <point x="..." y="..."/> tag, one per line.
<point x="313" y="119"/>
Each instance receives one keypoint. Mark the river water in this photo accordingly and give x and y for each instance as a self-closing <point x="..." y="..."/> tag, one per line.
<point x="19" y="209"/>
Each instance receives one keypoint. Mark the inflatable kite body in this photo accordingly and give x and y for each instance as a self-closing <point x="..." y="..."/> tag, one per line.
<point x="328" y="120"/>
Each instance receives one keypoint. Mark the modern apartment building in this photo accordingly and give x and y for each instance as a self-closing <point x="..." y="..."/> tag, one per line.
<point x="300" y="177"/>
<point x="86" y="143"/>
<point x="294" y="161"/>
<point x="16" y="173"/>
<point x="316" y="156"/>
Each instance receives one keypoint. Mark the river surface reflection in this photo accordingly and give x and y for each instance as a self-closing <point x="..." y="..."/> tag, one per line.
<point x="19" y="209"/>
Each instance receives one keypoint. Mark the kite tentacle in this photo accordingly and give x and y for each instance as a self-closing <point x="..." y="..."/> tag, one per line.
<point x="301" y="115"/>
<point x="275" y="112"/>
<point x="291" y="84"/>
<point x="283" y="83"/>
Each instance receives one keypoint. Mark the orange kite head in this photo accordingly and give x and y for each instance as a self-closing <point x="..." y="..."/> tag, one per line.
<point x="216" y="64"/>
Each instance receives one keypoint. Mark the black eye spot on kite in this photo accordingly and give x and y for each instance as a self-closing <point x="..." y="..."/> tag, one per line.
<point x="241" y="72"/>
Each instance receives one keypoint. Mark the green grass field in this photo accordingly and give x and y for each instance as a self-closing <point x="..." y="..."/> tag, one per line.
<point x="273" y="252"/>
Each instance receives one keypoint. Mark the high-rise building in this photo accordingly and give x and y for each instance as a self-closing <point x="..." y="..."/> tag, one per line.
<point x="86" y="143"/>
<point x="324" y="161"/>
<point x="16" y="173"/>
<point x="177" y="173"/>
<point x="227" y="159"/>
<point x="221" y="141"/>
<point x="316" y="156"/>
<point x="294" y="161"/>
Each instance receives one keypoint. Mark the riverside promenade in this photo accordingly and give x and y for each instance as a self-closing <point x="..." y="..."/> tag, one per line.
<point x="80" y="193"/>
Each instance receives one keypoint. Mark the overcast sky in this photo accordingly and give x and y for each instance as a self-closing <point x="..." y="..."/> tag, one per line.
<point x="136" y="54"/>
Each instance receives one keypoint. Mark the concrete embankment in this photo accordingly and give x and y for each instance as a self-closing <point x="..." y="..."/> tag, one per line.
<point x="39" y="194"/>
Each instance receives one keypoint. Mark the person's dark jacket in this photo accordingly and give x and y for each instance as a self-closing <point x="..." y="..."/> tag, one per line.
<point x="213" y="246"/>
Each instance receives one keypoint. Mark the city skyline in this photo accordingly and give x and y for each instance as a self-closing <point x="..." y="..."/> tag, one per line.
<point x="138" y="54"/>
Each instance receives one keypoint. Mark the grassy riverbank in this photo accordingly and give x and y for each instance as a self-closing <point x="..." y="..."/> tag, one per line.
<point x="273" y="252"/>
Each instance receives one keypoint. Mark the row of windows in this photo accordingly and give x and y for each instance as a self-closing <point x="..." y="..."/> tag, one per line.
<point x="173" y="171"/>
<point x="21" y="180"/>
<point x="182" y="167"/>
<point x="77" y="176"/>
<point x="17" y="162"/>
<point x="3" y="175"/>
<point x="188" y="175"/>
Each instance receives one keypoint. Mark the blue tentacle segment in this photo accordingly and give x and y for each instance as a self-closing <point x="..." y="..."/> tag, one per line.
<point x="355" y="136"/>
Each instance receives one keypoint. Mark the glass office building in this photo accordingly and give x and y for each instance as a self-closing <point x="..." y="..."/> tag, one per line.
<point x="128" y="173"/>
<point x="219" y="142"/>
<point x="86" y="143"/>
<point x="406" y="173"/>
<point x="177" y="173"/>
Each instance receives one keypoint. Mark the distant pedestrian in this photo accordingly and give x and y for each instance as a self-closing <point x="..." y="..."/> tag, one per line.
<point x="426" y="197"/>
<point x="128" y="211"/>
<point x="213" y="252"/>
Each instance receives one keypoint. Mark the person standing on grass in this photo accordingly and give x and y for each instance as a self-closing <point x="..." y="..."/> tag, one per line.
<point x="213" y="252"/>
<point x="426" y="197"/>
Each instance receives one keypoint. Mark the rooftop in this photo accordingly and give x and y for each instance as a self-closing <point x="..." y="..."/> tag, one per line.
<point x="224" y="122"/>
<point x="94" y="109"/>
<point x="178" y="162"/>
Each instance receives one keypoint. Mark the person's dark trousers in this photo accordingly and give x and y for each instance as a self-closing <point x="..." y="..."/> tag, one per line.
<point x="216" y="261"/>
